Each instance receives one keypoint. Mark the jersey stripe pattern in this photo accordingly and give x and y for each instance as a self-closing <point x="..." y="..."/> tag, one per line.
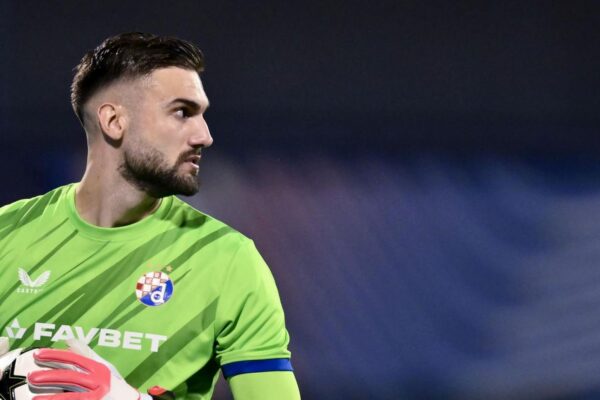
<point x="210" y="299"/>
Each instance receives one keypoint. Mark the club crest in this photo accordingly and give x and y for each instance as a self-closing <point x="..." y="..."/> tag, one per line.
<point x="154" y="288"/>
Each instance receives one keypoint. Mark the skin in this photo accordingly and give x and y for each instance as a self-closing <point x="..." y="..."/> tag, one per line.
<point x="145" y="137"/>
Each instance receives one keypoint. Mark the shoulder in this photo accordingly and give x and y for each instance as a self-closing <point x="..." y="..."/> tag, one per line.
<point x="235" y="251"/>
<point x="200" y="224"/>
<point x="31" y="208"/>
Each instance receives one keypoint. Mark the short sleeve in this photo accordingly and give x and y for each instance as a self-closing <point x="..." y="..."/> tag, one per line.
<point x="250" y="325"/>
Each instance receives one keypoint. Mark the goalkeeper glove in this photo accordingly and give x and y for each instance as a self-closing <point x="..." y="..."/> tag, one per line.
<point x="80" y="369"/>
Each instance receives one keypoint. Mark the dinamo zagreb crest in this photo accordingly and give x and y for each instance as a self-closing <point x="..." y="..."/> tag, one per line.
<point x="154" y="288"/>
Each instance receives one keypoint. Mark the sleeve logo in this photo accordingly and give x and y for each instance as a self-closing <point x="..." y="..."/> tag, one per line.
<point x="154" y="288"/>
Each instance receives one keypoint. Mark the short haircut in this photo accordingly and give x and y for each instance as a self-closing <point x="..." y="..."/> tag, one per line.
<point x="129" y="56"/>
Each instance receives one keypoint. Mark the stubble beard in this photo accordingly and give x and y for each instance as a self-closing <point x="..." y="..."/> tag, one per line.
<point x="147" y="169"/>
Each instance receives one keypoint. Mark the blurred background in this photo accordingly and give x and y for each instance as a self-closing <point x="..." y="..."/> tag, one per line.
<point x="421" y="176"/>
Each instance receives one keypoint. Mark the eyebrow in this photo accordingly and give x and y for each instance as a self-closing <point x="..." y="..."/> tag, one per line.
<point x="189" y="103"/>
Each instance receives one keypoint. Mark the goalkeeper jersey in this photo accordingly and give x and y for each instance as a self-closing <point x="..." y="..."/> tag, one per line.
<point x="168" y="300"/>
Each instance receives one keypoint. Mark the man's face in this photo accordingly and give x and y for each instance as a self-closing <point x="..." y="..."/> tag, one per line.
<point x="166" y="132"/>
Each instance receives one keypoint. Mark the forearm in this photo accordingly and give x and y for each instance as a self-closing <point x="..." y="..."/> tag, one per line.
<point x="276" y="385"/>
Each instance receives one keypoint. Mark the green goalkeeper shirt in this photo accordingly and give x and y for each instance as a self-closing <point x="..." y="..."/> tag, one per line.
<point x="168" y="300"/>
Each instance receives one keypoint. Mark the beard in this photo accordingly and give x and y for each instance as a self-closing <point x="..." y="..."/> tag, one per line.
<point x="147" y="169"/>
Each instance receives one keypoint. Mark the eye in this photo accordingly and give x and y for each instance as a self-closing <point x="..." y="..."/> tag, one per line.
<point x="182" y="113"/>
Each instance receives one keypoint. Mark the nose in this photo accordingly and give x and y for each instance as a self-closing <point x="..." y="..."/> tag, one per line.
<point x="201" y="136"/>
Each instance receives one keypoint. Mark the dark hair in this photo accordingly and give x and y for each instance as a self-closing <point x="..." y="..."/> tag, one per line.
<point x="129" y="55"/>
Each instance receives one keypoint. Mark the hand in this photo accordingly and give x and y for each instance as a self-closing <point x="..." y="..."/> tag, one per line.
<point x="14" y="366"/>
<point x="82" y="373"/>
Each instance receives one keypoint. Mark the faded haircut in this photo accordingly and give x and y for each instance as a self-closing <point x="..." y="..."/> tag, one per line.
<point x="129" y="56"/>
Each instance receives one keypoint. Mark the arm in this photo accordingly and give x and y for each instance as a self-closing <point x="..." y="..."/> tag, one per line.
<point x="251" y="339"/>
<point x="279" y="385"/>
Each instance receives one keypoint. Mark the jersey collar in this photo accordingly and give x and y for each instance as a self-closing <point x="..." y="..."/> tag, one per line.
<point x="133" y="231"/>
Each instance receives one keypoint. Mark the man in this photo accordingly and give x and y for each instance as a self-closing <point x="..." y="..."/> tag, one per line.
<point x="164" y="293"/>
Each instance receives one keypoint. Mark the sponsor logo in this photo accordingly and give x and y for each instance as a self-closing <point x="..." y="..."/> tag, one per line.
<point x="106" y="337"/>
<point x="154" y="288"/>
<point x="14" y="330"/>
<point x="29" y="285"/>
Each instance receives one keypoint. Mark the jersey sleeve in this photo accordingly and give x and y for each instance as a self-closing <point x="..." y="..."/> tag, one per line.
<point x="10" y="213"/>
<point x="250" y="326"/>
<point x="265" y="386"/>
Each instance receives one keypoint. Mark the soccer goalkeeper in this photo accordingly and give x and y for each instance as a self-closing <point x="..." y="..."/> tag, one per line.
<point x="164" y="294"/>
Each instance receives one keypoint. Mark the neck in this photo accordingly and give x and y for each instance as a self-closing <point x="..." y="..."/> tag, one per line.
<point x="104" y="198"/>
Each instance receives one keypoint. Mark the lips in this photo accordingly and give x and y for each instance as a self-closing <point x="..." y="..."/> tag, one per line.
<point x="194" y="159"/>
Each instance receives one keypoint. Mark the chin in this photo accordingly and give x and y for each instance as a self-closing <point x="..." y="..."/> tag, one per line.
<point x="187" y="185"/>
<point x="188" y="191"/>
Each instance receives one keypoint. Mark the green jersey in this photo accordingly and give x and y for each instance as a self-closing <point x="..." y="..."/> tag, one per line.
<point x="168" y="300"/>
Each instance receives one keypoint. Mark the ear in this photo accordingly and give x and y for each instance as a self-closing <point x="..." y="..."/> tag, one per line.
<point x="112" y="120"/>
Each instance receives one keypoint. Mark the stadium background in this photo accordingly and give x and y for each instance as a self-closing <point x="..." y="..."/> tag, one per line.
<point x="422" y="177"/>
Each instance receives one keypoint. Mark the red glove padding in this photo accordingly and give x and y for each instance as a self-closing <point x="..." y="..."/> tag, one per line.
<point x="84" y="377"/>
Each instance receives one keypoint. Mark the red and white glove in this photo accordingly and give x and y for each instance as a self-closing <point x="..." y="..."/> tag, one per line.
<point x="82" y="373"/>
